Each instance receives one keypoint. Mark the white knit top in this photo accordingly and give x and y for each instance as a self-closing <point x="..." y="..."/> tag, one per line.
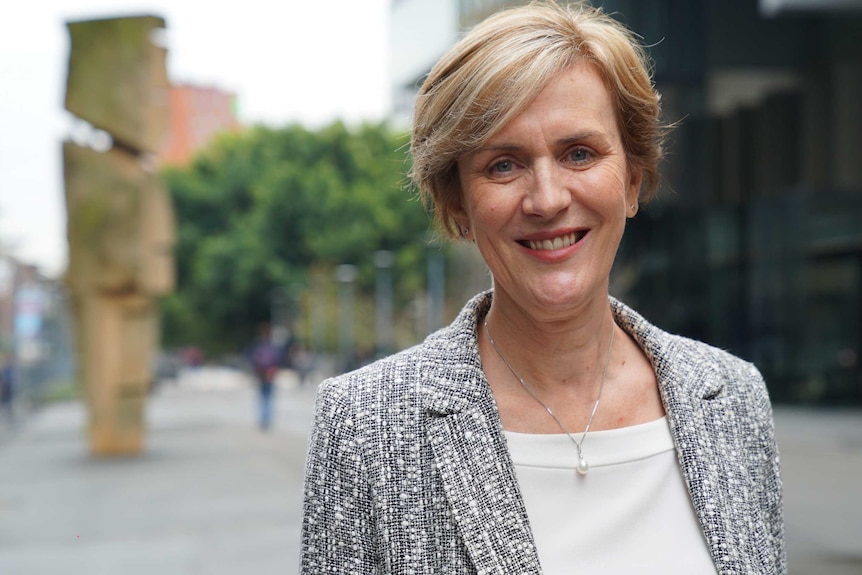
<point x="630" y="514"/>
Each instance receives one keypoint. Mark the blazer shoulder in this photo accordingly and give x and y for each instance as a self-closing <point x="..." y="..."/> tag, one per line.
<point x="390" y="375"/>
<point x="663" y="346"/>
<point x="721" y="359"/>
<point x="741" y="377"/>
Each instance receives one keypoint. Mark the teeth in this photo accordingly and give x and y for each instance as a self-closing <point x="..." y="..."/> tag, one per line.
<point x="557" y="243"/>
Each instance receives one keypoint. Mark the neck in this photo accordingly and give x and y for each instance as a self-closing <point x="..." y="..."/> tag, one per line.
<point x="563" y="354"/>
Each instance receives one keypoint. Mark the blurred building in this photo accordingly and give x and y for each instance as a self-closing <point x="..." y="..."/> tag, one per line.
<point x="196" y="115"/>
<point x="420" y="31"/>
<point x="8" y="271"/>
<point x="755" y="242"/>
<point x="24" y="302"/>
<point x="34" y="331"/>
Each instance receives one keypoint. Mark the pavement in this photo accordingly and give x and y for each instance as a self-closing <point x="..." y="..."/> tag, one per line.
<point x="821" y="459"/>
<point x="213" y="494"/>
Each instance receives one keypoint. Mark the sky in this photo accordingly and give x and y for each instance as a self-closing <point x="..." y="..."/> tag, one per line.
<point x="306" y="61"/>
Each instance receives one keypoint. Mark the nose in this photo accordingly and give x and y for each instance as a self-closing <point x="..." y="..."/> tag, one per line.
<point x="547" y="195"/>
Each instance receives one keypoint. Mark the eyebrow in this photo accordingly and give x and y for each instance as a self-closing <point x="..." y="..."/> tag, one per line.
<point x="568" y="140"/>
<point x="587" y="135"/>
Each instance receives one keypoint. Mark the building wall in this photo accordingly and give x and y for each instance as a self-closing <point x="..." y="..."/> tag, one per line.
<point x="196" y="115"/>
<point x="421" y="30"/>
<point x="8" y="272"/>
<point x="471" y="12"/>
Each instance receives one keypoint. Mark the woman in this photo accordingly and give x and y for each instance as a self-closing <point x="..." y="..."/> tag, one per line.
<point x="550" y="428"/>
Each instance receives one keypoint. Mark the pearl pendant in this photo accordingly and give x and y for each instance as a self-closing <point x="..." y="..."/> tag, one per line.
<point x="583" y="466"/>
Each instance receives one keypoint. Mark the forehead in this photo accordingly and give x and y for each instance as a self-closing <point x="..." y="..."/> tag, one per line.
<point x="576" y="100"/>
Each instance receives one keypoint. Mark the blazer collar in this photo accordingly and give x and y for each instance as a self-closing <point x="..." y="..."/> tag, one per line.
<point x="453" y="376"/>
<point x="451" y="372"/>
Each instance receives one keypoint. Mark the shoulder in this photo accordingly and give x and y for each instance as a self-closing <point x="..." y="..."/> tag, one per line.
<point x="733" y="370"/>
<point x="427" y="372"/>
<point x="714" y="374"/>
<point x="660" y="344"/>
<point x="691" y="363"/>
<point x="392" y="374"/>
<point x="353" y="412"/>
<point x="714" y="357"/>
<point x="736" y="380"/>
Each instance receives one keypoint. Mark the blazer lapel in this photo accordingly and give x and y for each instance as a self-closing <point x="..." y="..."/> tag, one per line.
<point x="471" y="456"/>
<point x="710" y="446"/>
<point x="707" y="439"/>
<point x="482" y="490"/>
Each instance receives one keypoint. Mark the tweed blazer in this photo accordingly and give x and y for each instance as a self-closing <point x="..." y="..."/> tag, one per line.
<point x="408" y="469"/>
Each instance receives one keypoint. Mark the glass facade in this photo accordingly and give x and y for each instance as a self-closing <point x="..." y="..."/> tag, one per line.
<point x="776" y="281"/>
<point x="754" y="244"/>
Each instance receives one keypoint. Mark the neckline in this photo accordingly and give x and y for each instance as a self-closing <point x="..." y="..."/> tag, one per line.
<point x="601" y="448"/>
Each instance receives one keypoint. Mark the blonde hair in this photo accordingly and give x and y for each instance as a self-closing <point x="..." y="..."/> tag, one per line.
<point x="494" y="72"/>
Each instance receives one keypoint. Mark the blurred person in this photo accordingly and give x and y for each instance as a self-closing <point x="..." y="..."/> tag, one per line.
<point x="192" y="356"/>
<point x="265" y="358"/>
<point x="7" y="385"/>
<point x="550" y="428"/>
<point x="303" y="361"/>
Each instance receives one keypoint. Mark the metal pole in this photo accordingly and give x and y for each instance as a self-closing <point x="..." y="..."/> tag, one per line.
<point x="436" y="287"/>
<point x="383" y="261"/>
<point x="278" y="316"/>
<point x="317" y="319"/>
<point x="345" y="275"/>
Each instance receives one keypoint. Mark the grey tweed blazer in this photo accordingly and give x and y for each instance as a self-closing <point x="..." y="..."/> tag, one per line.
<point x="408" y="469"/>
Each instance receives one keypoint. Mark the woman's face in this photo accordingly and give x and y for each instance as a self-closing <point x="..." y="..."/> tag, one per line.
<point x="546" y="198"/>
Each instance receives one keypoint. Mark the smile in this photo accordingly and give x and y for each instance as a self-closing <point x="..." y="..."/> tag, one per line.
<point x="557" y="243"/>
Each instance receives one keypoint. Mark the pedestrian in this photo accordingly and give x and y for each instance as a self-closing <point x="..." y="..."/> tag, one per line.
<point x="265" y="358"/>
<point x="303" y="361"/>
<point x="550" y="428"/>
<point x="7" y="385"/>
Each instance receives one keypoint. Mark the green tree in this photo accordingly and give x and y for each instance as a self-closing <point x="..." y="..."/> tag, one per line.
<point x="259" y="209"/>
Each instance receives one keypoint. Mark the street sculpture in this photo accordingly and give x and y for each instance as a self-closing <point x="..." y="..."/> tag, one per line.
<point x="120" y="222"/>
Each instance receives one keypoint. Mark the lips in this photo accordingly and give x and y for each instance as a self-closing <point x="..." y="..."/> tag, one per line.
<point x="557" y="243"/>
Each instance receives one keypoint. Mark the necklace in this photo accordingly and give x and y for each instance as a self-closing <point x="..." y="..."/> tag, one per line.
<point x="583" y="466"/>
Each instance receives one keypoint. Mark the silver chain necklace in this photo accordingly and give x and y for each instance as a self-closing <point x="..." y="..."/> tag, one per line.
<point x="583" y="466"/>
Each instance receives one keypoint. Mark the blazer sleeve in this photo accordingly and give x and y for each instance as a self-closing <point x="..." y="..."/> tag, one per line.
<point x="771" y="494"/>
<point x="337" y="525"/>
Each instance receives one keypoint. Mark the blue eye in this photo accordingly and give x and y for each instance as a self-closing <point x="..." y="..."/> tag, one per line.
<point x="503" y="167"/>
<point x="579" y="155"/>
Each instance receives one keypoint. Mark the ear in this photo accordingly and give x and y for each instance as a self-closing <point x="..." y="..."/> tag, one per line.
<point x="462" y="221"/>
<point x="459" y="214"/>
<point x="456" y="208"/>
<point x="633" y="189"/>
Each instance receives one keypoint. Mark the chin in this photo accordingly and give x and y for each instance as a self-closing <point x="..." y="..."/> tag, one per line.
<point x="561" y="297"/>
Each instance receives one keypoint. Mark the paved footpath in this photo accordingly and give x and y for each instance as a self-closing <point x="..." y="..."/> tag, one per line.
<point x="215" y="495"/>
<point x="211" y="495"/>
<point x="821" y="455"/>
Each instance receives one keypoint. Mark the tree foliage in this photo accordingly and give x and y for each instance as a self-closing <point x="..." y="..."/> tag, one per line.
<point x="258" y="210"/>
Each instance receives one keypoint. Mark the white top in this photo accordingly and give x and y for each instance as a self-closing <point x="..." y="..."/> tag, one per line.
<point x="630" y="514"/>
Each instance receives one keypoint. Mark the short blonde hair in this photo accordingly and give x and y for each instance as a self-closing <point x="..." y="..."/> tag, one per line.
<point x="499" y="67"/>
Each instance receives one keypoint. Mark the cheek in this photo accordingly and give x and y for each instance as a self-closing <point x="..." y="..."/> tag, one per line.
<point x="608" y="185"/>
<point x="493" y="214"/>
<point x="484" y="203"/>
<point x="613" y="175"/>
